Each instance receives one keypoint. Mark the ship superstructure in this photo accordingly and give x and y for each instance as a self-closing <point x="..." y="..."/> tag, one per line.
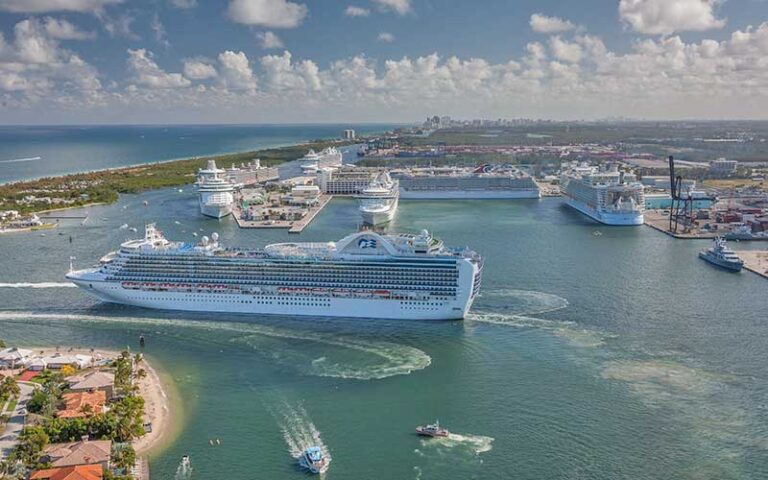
<point x="215" y="192"/>
<point x="366" y="274"/>
<point x="314" y="161"/>
<point x="378" y="202"/>
<point x="607" y="195"/>
<point x="486" y="181"/>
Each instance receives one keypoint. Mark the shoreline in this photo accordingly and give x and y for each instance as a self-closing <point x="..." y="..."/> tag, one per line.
<point x="161" y="407"/>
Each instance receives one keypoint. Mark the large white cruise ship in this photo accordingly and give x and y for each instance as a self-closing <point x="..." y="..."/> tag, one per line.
<point x="313" y="161"/>
<point x="215" y="193"/>
<point x="608" y="195"/>
<point x="378" y="202"/>
<point x="362" y="275"/>
<point x="484" y="182"/>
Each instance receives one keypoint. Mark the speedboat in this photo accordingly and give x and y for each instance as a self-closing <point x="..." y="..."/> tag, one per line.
<point x="314" y="460"/>
<point x="432" y="430"/>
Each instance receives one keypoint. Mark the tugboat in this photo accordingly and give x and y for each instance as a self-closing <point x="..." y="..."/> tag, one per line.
<point x="722" y="256"/>
<point x="432" y="430"/>
<point x="314" y="460"/>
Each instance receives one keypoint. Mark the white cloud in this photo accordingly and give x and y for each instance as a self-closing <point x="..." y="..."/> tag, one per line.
<point x="64" y="30"/>
<point x="544" y="24"/>
<point x="267" y="13"/>
<point x="269" y="40"/>
<point x="147" y="73"/>
<point x="43" y="6"/>
<point x="353" y="11"/>
<point x="35" y="67"/>
<point x="400" y="7"/>
<point x="198" y="69"/>
<point x="183" y="4"/>
<point x="280" y="73"/>
<point x="565" y="51"/>
<point x="119" y="26"/>
<point x="235" y="71"/>
<point x="664" y="17"/>
<point x="386" y="37"/>
<point x="159" y="30"/>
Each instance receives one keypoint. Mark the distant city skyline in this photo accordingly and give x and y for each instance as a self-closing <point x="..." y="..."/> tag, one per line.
<point x="330" y="61"/>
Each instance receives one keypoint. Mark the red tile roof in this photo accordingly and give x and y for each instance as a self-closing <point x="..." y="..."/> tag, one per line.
<point x="77" y="400"/>
<point x="79" y="472"/>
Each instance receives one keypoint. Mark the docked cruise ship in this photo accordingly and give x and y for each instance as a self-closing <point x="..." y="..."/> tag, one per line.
<point x="607" y="195"/>
<point x="215" y="192"/>
<point x="487" y="181"/>
<point x="313" y="161"/>
<point x="365" y="274"/>
<point x="378" y="202"/>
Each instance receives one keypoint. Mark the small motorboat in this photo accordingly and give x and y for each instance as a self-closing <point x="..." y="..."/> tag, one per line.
<point x="314" y="460"/>
<point x="432" y="430"/>
<point x="185" y="461"/>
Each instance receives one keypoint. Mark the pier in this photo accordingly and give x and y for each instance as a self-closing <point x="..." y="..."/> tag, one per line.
<point x="756" y="261"/>
<point x="293" y="226"/>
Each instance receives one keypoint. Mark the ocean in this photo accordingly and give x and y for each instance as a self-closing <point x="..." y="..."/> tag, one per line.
<point x="28" y="152"/>
<point x="613" y="356"/>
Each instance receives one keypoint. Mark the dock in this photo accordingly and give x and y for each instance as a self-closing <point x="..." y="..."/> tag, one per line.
<point x="659" y="221"/>
<point x="311" y="214"/>
<point x="293" y="226"/>
<point x="756" y="261"/>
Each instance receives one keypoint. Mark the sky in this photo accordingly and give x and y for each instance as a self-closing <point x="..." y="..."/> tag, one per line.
<point x="317" y="61"/>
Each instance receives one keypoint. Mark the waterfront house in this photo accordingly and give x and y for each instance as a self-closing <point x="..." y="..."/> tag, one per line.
<point x="104" y="381"/>
<point x="14" y="357"/>
<point x="77" y="403"/>
<point x="57" y="361"/>
<point x="37" y="365"/>
<point x="78" y="472"/>
<point x="96" y="452"/>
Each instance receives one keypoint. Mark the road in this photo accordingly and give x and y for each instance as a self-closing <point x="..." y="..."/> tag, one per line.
<point x="16" y="423"/>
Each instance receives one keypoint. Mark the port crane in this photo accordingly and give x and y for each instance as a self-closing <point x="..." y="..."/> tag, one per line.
<point x="681" y="210"/>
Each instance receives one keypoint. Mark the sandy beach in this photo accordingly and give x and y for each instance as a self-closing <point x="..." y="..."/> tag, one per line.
<point x="156" y="401"/>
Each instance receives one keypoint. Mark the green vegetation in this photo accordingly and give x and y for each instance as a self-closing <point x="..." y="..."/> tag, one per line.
<point x="9" y="389"/>
<point x="104" y="186"/>
<point x="122" y="422"/>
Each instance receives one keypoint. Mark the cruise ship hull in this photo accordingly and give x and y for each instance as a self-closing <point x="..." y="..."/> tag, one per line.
<point x="215" y="211"/>
<point x="606" y="218"/>
<point x="468" y="194"/>
<point x="272" y="304"/>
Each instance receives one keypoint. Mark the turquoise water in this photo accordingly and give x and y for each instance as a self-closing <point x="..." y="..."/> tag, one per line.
<point x="619" y="356"/>
<point x="35" y="151"/>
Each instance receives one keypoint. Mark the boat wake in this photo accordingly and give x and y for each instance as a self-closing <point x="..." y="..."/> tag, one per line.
<point x="580" y="337"/>
<point x="21" y="160"/>
<point x="183" y="471"/>
<point x="475" y="444"/>
<point x="523" y="302"/>
<point x="38" y="285"/>
<point x="297" y="428"/>
<point x="350" y="357"/>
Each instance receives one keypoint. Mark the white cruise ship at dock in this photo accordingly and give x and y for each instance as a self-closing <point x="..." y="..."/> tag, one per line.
<point x="484" y="182"/>
<point x="605" y="195"/>
<point x="378" y="202"/>
<point x="215" y="192"/>
<point x="314" y="161"/>
<point x="366" y="274"/>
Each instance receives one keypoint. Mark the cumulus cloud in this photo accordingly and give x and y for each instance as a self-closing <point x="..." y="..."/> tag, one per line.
<point x="34" y="66"/>
<point x="400" y="7"/>
<point x="236" y="72"/>
<point x="43" y="6"/>
<point x="544" y="24"/>
<point x="664" y="17"/>
<point x="565" y="51"/>
<point x="386" y="37"/>
<point x="281" y="73"/>
<point x="269" y="40"/>
<point x="146" y="72"/>
<point x="198" y="69"/>
<point x="353" y="11"/>
<point x="64" y="30"/>
<point x="267" y="13"/>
